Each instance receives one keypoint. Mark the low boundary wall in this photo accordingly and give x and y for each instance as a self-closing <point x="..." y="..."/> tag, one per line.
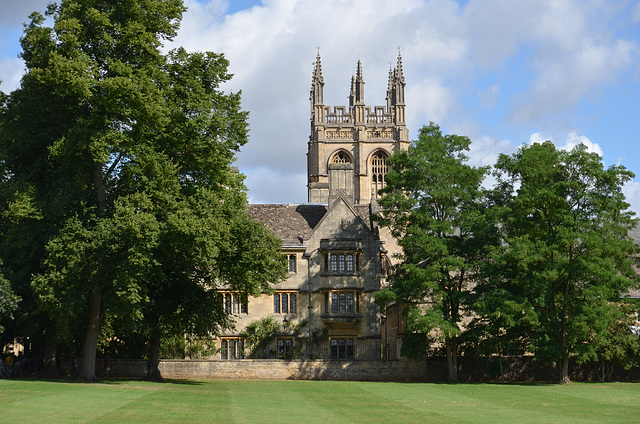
<point x="431" y="369"/>
<point x="265" y="369"/>
<point x="274" y="369"/>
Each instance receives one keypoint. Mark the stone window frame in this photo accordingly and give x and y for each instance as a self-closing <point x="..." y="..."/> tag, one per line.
<point x="342" y="302"/>
<point x="341" y="157"/>
<point x="232" y="303"/>
<point x="378" y="170"/>
<point x="341" y="262"/>
<point x="284" y="346"/>
<point x="288" y="307"/>
<point x="292" y="263"/>
<point x="232" y="348"/>
<point x="342" y="348"/>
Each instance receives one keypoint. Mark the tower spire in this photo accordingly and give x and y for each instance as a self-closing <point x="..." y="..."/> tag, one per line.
<point x="317" y="92"/>
<point x="359" y="85"/>
<point x="352" y="91"/>
<point x="396" y="92"/>
<point x="390" y="88"/>
<point x="399" y="72"/>
<point x="317" y="82"/>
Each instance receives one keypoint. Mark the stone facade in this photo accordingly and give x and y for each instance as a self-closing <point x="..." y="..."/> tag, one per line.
<point x="337" y="256"/>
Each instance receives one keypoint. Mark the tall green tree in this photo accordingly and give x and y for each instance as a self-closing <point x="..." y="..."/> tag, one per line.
<point x="566" y="255"/>
<point x="432" y="204"/>
<point x="123" y="154"/>
<point x="8" y="301"/>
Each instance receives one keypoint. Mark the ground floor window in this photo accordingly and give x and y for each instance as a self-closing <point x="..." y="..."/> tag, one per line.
<point x="284" y="346"/>
<point x="341" y="348"/>
<point x="232" y="348"/>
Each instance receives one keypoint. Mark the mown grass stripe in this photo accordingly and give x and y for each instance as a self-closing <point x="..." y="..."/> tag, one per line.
<point x="309" y="402"/>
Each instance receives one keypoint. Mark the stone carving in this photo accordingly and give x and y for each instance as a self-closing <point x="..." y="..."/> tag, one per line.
<point x="388" y="133"/>
<point x="339" y="134"/>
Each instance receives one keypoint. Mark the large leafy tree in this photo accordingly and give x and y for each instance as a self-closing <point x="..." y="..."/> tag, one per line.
<point x="122" y="156"/>
<point x="8" y="301"/>
<point x="566" y="255"/>
<point x="432" y="204"/>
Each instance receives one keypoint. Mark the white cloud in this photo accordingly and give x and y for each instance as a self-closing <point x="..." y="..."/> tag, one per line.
<point x="571" y="140"/>
<point x="446" y="47"/>
<point x="485" y="150"/>
<point x="534" y="59"/>
<point x="574" y="139"/>
<point x="11" y="70"/>
<point x="428" y="98"/>
<point x="276" y="186"/>
<point x="488" y="96"/>
<point x="498" y="27"/>
<point x="631" y="190"/>
<point x="537" y="138"/>
<point x="562" y="82"/>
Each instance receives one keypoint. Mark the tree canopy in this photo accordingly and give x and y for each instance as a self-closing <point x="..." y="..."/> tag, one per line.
<point x="118" y="159"/>
<point x="432" y="204"/>
<point x="536" y="264"/>
<point x="565" y="256"/>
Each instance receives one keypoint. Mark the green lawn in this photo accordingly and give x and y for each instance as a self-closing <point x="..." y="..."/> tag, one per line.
<point x="306" y="402"/>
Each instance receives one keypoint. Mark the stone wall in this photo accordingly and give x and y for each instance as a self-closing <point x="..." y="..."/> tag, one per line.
<point x="266" y="369"/>
<point x="431" y="369"/>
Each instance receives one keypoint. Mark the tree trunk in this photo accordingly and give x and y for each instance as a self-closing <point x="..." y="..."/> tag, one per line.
<point x="452" y="360"/>
<point x="564" y="368"/>
<point x="500" y="364"/>
<point x="603" y="371"/>
<point x="50" y="347"/>
<point x="87" y="366"/>
<point x="153" y="370"/>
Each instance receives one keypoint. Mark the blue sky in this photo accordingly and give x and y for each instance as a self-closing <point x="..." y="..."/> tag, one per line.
<point x="502" y="72"/>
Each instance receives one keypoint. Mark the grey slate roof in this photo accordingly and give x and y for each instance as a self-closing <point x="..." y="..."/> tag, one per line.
<point x="294" y="223"/>
<point x="291" y="223"/>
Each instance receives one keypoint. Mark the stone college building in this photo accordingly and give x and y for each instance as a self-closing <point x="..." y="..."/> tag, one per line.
<point x="337" y="257"/>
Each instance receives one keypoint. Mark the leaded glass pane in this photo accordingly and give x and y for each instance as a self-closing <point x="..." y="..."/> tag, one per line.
<point x="292" y="303"/>
<point x="224" y="350"/>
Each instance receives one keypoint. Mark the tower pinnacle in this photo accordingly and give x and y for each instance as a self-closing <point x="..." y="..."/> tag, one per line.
<point x="317" y="83"/>
<point x="359" y="86"/>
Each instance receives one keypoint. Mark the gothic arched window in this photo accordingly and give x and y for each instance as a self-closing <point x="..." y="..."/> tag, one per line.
<point x="378" y="171"/>
<point x="341" y="157"/>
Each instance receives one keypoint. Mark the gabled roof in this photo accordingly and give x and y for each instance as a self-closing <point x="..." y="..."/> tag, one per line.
<point x="294" y="223"/>
<point x="291" y="223"/>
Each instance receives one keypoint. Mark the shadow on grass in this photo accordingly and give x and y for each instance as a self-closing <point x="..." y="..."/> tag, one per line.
<point x="109" y="381"/>
<point x="470" y="383"/>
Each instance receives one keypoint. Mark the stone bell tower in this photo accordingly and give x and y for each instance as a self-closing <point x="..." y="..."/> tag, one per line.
<point x="348" y="146"/>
